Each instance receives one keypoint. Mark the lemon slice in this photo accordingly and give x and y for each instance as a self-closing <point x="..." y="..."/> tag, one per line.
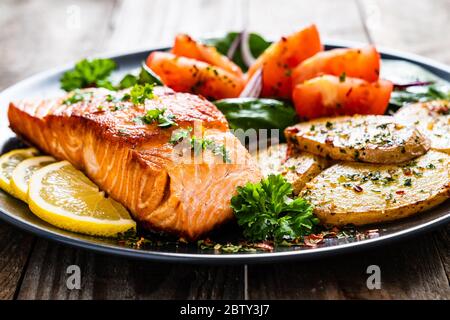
<point x="8" y="162"/>
<point x="23" y="172"/>
<point x="64" y="197"/>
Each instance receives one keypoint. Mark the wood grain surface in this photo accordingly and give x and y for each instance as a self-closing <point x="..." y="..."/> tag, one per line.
<point x="36" y="35"/>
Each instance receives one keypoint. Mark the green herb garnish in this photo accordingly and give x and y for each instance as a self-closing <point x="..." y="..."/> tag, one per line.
<point x="139" y="93"/>
<point x="199" y="144"/>
<point x="76" y="97"/>
<point x="96" y="72"/>
<point x="407" y="183"/>
<point x="88" y="73"/>
<point x="342" y="77"/>
<point x="179" y="135"/>
<point x="158" y="116"/>
<point x="265" y="211"/>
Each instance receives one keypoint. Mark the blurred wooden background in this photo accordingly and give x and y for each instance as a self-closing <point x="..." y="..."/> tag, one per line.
<point x="36" y="35"/>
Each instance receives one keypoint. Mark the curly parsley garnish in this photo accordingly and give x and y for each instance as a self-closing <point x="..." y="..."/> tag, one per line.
<point x="96" y="72"/>
<point x="139" y="93"/>
<point x="266" y="211"/>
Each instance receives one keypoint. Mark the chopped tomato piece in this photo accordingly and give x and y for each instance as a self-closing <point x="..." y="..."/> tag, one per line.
<point x="189" y="75"/>
<point x="363" y="63"/>
<point x="281" y="57"/>
<point x="330" y="96"/>
<point x="187" y="47"/>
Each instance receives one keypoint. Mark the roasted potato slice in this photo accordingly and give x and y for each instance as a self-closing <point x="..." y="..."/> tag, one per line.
<point x="359" y="194"/>
<point x="297" y="169"/>
<point x="432" y="119"/>
<point x="375" y="139"/>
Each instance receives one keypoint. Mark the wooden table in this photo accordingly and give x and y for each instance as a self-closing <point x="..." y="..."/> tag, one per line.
<point x="36" y="35"/>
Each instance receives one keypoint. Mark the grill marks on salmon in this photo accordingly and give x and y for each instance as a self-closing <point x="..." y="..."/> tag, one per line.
<point x="135" y="163"/>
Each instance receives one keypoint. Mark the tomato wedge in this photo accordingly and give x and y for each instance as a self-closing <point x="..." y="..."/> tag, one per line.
<point x="363" y="63"/>
<point x="189" y="75"/>
<point x="187" y="47"/>
<point x="281" y="57"/>
<point x="330" y="96"/>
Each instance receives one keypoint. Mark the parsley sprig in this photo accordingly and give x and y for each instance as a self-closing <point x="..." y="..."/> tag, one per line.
<point x="139" y="93"/>
<point x="266" y="211"/>
<point x="89" y="73"/>
<point x="96" y="72"/>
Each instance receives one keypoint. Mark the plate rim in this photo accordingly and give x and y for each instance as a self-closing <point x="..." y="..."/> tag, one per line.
<point x="224" y="258"/>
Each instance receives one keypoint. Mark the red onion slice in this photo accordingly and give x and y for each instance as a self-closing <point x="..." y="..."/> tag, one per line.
<point x="254" y="86"/>
<point x="245" y="49"/>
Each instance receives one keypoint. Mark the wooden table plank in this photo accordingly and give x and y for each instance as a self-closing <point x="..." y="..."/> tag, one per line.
<point x="14" y="252"/>
<point x="409" y="270"/>
<point x="106" y="277"/>
<point x="442" y="241"/>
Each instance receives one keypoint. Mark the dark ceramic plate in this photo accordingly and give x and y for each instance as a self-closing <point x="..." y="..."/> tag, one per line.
<point x="47" y="84"/>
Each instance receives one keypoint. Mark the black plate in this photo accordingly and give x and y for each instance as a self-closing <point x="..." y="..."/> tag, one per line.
<point x="17" y="213"/>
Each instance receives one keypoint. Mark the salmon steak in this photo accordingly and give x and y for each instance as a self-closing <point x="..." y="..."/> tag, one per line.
<point x="169" y="159"/>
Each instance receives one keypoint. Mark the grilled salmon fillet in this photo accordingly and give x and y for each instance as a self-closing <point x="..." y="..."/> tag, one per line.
<point x="165" y="185"/>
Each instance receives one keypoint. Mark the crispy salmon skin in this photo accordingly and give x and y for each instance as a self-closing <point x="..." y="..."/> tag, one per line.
<point x="138" y="162"/>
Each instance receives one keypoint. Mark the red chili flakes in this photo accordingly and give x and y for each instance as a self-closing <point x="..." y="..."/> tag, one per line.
<point x="400" y="192"/>
<point x="264" y="246"/>
<point x="357" y="188"/>
<point x="313" y="240"/>
<point x="407" y="171"/>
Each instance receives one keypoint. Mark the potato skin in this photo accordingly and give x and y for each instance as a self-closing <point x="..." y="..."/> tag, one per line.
<point x="297" y="169"/>
<point x="432" y="119"/>
<point x="373" y="139"/>
<point x="356" y="193"/>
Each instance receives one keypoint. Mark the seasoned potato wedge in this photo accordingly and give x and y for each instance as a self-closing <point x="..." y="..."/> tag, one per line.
<point x="298" y="169"/>
<point x="375" y="139"/>
<point x="357" y="193"/>
<point x="432" y="119"/>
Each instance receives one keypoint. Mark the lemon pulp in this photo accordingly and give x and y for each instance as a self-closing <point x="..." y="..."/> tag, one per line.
<point x="63" y="196"/>
<point x="8" y="162"/>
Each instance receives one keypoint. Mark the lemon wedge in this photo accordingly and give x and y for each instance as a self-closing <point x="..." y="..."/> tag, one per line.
<point x="23" y="172"/>
<point x="8" y="162"/>
<point x="64" y="197"/>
